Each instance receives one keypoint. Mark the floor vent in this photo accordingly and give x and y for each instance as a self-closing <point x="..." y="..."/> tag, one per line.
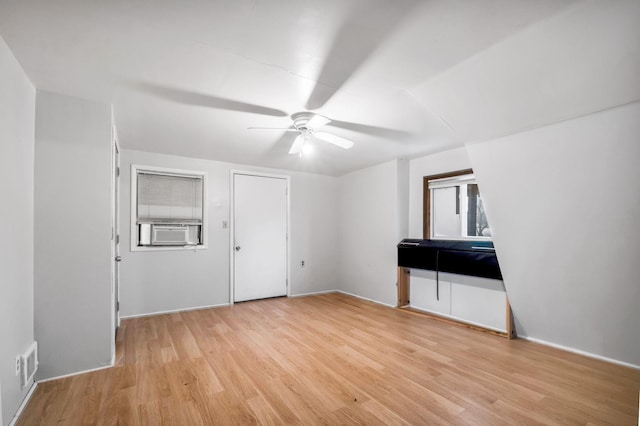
<point x="28" y="364"/>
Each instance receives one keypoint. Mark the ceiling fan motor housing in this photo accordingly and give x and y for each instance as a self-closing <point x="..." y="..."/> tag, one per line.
<point x="301" y="120"/>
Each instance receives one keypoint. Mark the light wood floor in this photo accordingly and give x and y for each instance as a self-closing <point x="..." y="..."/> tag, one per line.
<point x="332" y="359"/>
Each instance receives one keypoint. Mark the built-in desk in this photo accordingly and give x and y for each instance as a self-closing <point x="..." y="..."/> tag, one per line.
<point x="455" y="281"/>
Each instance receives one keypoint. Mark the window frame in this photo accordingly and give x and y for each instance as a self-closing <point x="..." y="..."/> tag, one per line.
<point x="426" y="210"/>
<point x="137" y="168"/>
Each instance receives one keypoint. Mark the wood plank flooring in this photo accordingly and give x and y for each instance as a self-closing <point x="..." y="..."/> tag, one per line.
<point x="332" y="359"/>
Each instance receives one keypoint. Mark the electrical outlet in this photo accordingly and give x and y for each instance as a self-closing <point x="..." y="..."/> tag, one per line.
<point x="18" y="365"/>
<point x="302" y="264"/>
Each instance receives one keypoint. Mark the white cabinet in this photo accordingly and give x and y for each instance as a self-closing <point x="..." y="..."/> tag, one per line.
<point x="479" y="301"/>
<point x="473" y="300"/>
<point x="428" y="294"/>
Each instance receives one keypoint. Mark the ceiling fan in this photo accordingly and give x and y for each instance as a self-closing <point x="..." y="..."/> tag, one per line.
<point x="306" y="124"/>
<point x="342" y="61"/>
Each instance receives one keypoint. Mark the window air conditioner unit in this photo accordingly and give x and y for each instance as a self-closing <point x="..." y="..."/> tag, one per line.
<point x="170" y="235"/>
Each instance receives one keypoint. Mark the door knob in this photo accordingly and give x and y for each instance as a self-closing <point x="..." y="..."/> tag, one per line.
<point x="118" y="259"/>
<point x="237" y="248"/>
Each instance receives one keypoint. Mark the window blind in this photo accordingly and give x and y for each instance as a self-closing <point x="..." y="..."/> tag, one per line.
<point x="169" y="198"/>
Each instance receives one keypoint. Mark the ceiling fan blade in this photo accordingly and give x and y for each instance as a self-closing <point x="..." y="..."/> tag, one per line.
<point x="318" y="121"/>
<point x="361" y="33"/>
<point x="281" y="146"/>
<point x="187" y="97"/>
<point x="333" y="139"/>
<point x="282" y="129"/>
<point x="371" y="130"/>
<point x="296" y="148"/>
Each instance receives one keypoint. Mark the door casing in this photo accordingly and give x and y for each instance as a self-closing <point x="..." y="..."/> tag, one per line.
<point x="115" y="237"/>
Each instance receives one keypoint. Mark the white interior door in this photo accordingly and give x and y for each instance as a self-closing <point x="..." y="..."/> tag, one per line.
<point x="260" y="237"/>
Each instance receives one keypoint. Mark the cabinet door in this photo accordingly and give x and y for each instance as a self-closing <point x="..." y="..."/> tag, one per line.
<point x="481" y="301"/>
<point x="426" y="294"/>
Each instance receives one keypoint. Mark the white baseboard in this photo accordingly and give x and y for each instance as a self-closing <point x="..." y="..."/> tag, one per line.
<point x="173" y="311"/>
<point x="24" y="403"/>
<point x="314" y="293"/>
<point x="366" y="298"/>
<point x="531" y="339"/>
<point x="91" y="370"/>
<point x="579" y="352"/>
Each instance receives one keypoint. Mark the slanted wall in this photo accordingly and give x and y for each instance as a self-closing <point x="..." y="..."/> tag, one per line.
<point x="564" y="203"/>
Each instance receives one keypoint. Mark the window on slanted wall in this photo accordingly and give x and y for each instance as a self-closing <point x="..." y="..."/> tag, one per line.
<point x="453" y="208"/>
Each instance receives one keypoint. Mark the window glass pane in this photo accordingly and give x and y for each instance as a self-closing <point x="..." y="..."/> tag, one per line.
<point x="446" y="220"/>
<point x="477" y="225"/>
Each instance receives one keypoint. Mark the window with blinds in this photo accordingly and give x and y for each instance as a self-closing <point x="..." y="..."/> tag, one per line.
<point x="169" y="199"/>
<point x="169" y="208"/>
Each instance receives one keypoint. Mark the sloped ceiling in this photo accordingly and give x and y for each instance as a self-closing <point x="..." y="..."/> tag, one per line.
<point x="582" y="60"/>
<point x="401" y="79"/>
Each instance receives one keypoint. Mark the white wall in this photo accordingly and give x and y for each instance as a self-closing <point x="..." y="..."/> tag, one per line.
<point x="314" y="233"/>
<point x="172" y="280"/>
<point x="402" y="202"/>
<point x="442" y="162"/>
<point x="17" y="120"/>
<point x="370" y="227"/>
<point x="563" y="203"/>
<point x="72" y="234"/>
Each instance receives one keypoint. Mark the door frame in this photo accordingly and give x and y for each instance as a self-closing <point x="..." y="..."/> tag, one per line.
<point x="115" y="232"/>
<point x="232" y="174"/>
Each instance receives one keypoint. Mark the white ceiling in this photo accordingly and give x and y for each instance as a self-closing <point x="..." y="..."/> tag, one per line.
<point x="400" y="78"/>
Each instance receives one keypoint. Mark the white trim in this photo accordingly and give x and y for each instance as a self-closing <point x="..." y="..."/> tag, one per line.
<point x="23" y="404"/>
<point x="231" y="238"/>
<point x="579" y="352"/>
<point x="77" y="373"/>
<point x="173" y="311"/>
<point x="169" y="248"/>
<point x="115" y="229"/>
<point x="260" y="174"/>
<point x="449" y="182"/>
<point x="134" y="214"/>
<point x="232" y="173"/>
<point x="366" y="298"/>
<point x="314" y="293"/>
